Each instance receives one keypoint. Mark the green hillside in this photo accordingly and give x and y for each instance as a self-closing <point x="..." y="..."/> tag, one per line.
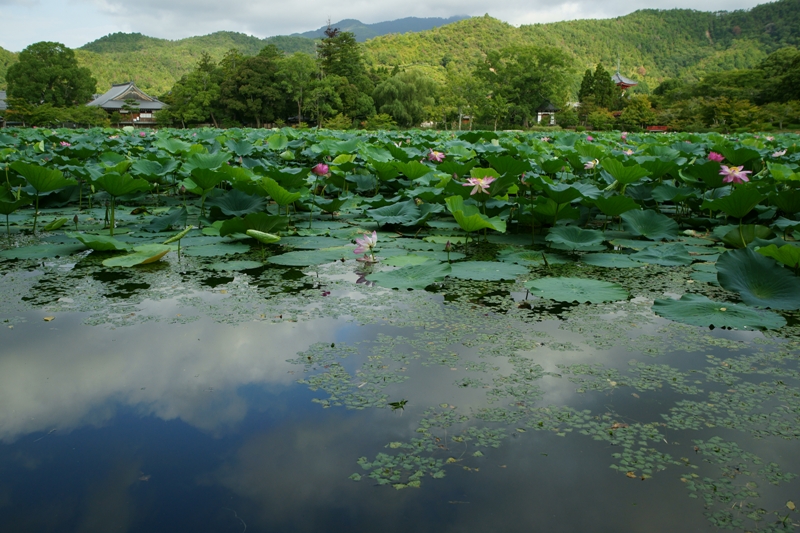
<point x="650" y="45"/>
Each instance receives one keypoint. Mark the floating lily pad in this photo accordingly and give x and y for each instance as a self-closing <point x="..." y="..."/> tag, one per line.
<point x="411" y="277"/>
<point x="312" y="257"/>
<point x="632" y="244"/>
<point x="212" y="250"/>
<point x="100" y="243"/>
<point x="486" y="270"/>
<point x="142" y="255"/>
<point x="441" y="256"/>
<point x="664" y="255"/>
<point x="649" y="224"/>
<point x="405" y="260"/>
<point x="610" y="261"/>
<point x="575" y="238"/>
<point x="758" y="280"/>
<point x="531" y="257"/>
<point x="576" y="290"/>
<point x="697" y="310"/>
<point x="313" y="242"/>
<point x="41" y="251"/>
<point x="231" y="266"/>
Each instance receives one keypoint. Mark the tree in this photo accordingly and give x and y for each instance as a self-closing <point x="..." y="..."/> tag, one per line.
<point x="195" y="97"/>
<point x="526" y="77"/>
<point x="638" y="114"/>
<point x="405" y="97"/>
<point x="252" y="91"/>
<point x="48" y="73"/>
<point x="297" y="74"/>
<point x="605" y="91"/>
<point x="587" y="85"/>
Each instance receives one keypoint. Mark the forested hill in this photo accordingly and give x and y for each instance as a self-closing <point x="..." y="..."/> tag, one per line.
<point x="368" y="31"/>
<point x="649" y="44"/>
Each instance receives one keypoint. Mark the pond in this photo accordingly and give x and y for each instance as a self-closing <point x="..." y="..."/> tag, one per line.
<point x="175" y="396"/>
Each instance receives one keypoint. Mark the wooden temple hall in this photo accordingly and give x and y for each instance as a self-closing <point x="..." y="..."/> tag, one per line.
<point x="135" y="106"/>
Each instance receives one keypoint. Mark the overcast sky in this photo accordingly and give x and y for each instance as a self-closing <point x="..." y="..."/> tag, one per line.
<point x="77" y="22"/>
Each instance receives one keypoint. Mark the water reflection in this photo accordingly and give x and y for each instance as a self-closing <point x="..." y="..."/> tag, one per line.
<point x="69" y="375"/>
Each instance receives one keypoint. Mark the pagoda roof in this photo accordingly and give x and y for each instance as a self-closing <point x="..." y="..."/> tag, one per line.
<point x="619" y="79"/>
<point x="547" y="107"/>
<point x="115" y="98"/>
<point x="3" y="105"/>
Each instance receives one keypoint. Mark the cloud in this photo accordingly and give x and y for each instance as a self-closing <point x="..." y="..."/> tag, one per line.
<point x="160" y="370"/>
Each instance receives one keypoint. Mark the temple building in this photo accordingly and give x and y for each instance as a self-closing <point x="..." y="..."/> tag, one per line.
<point x="135" y="106"/>
<point x="622" y="82"/>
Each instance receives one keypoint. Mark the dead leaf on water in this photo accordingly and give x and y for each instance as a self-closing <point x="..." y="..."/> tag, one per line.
<point x="631" y="475"/>
<point x="49" y="318"/>
<point x="791" y="506"/>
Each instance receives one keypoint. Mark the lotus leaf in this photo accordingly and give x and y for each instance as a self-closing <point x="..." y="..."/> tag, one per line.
<point x="412" y="277"/>
<point x="100" y="243"/>
<point x="737" y="204"/>
<point x="787" y="254"/>
<point x="312" y="257"/>
<point x="622" y="173"/>
<point x="41" y="251"/>
<point x="487" y="270"/>
<point x="142" y="255"/>
<point x="576" y="290"/>
<point x="403" y="213"/>
<point x="532" y="257"/>
<point x="614" y="206"/>
<point x="213" y="250"/>
<point x="575" y="238"/>
<point x="665" y="255"/>
<point x="647" y="223"/>
<point x="405" y="260"/>
<point x="697" y="310"/>
<point x="759" y="281"/>
<point x="610" y="261"/>
<point x="237" y="203"/>
<point x="175" y="217"/>
<point x="230" y="266"/>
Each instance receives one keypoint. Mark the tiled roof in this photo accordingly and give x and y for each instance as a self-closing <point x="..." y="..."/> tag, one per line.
<point x="620" y="79"/>
<point x="116" y="96"/>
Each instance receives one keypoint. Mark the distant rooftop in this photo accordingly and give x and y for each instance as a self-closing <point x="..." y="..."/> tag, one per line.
<point x="115" y="98"/>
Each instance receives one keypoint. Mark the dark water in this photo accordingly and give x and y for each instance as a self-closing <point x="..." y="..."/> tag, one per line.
<point x="168" y="424"/>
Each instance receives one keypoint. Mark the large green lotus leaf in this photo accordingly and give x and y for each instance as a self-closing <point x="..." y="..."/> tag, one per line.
<point x="238" y="204"/>
<point x="417" y="244"/>
<point x="413" y="169"/>
<point x="406" y="260"/>
<point x="738" y="203"/>
<point x="100" y="243"/>
<point x="507" y="165"/>
<point x="313" y="242"/>
<point x="277" y="141"/>
<point x="648" y="223"/>
<point x="443" y="239"/>
<point x="279" y="194"/>
<point x="697" y="310"/>
<point x="665" y="255"/>
<point x="142" y="255"/>
<point x="172" y="145"/>
<point x="562" y="193"/>
<point x="659" y="167"/>
<point x="576" y="290"/>
<point x="787" y="201"/>
<point x="207" y="161"/>
<point x="207" y="179"/>
<point x="412" y="277"/>
<point x="531" y="257"/>
<point x="487" y="270"/>
<point x="747" y="233"/>
<point x="403" y="213"/>
<point x="329" y="205"/>
<point x="470" y="218"/>
<point x="213" y="250"/>
<point x="666" y="192"/>
<point x="41" y="251"/>
<point x="117" y="184"/>
<point x="441" y="256"/>
<point x="240" y="148"/>
<point x="738" y="156"/>
<point x="553" y="166"/>
<point x="575" y="238"/>
<point x="624" y="174"/>
<point x="257" y="221"/>
<point x="175" y="217"/>
<point x="312" y="257"/>
<point x="759" y="281"/>
<point x="614" y="206"/>
<point x="374" y="153"/>
<point x="706" y="173"/>
<point x="41" y="178"/>
<point x="9" y="203"/>
<point x="233" y="266"/>
<point x="787" y="254"/>
<point x="610" y="261"/>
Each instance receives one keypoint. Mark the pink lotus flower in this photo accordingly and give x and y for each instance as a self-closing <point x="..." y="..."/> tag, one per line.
<point x="435" y="157"/>
<point x="366" y="244"/>
<point x="64" y="143"/>
<point x="321" y="169"/>
<point x="714" y="156"/>
<point x="734" y="174"/>
<point x="589" y="138"/>
<point x="628" y="152"/>
<point x="624" y="135"/>
<point x="769" y="138"/>
<point x="479" y="184"/>
<point x="545" y="139"/>
<point x="142" y="134"/>
<point x="779" y="153"/>
<point x="591" y="164"/>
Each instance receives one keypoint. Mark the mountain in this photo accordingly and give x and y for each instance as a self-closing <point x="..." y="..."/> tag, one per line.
<point x="368" y="31"/>
<point x="649" y="45"/>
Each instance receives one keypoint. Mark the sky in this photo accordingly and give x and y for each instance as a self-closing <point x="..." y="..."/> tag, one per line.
<point x="77" y="22"/>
